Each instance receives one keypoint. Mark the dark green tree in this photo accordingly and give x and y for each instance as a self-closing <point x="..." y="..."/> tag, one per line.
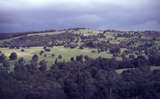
<point x="43" y="65"/>
<point x="13" y="56"/>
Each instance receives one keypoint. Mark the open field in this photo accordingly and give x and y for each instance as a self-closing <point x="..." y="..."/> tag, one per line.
<point x="43" y="34"/>
<point x="66" y="53"/>
<point x="87" y="31"/>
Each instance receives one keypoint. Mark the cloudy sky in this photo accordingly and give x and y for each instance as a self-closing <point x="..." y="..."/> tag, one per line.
<point x="32" y="15"/>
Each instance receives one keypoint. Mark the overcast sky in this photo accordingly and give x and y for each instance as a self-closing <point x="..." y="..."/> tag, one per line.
<point x="31" y="15"/>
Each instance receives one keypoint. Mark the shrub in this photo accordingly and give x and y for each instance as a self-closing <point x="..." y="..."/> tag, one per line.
<point x="41" y="52"/>
<point x="53" y="55"/>
<point x="59" y="56"/>
<point x="22" y="50"/>
<point x="93" y="51"/>
<point x="45" y="55"/>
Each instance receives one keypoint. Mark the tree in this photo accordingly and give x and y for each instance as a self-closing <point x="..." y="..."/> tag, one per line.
<point x="45" y="55"/>
<point x="34" y="63"/>
<point x="20" y="70"/>
<point x="79" y="58"/>
<point x="86" y="58"/>
<point x="6" y="65"/>
<point x="141" y="61"/>
<point x="53" y="55"/>
<point x="13" y="56"/>
<point x="41" y="52"/>
<point x="115" y="51"/>
<point x="56" y="61"/>
<point x="43" y="65"/>
<point x="2" y="57"/>
<point x="22" y="50"/>
<point x="35" y="58"/>
<point x="72" y="59"/>
<point x="59" y="56"/>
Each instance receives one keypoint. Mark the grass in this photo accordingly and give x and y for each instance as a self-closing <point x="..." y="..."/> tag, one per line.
<point x="83" y="31"/>
<point x="66" y="53"/>
<point x="87" y="31"/>
<point x="34" y="34"/>
<point x="43" y="34"/>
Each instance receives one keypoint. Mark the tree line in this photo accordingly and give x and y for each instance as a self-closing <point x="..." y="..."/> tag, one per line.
<point x="80" y="78"/>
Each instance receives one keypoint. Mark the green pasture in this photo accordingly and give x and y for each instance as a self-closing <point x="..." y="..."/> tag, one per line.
<point x="66" y="53"/>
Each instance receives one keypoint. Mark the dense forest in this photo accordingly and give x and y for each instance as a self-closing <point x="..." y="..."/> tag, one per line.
<point x="81" y="78"/>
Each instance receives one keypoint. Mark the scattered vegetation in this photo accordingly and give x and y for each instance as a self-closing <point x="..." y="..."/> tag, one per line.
<point x="76" y="64"/>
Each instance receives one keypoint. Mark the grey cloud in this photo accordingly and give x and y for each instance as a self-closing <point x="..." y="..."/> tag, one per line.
<point x="97" y="15"/>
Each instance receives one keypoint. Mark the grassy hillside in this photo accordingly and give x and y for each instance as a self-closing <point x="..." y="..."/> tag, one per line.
<point x="66" y="53"/>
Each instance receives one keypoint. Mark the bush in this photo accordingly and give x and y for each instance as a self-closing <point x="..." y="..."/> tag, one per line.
<point x="41" y="52"/>
<point x="93" y="51"/>
<point x="59" y="56"/>
<point x="22" y="50"/>
<point x="45" y="55"/>
<point x="53" y="55"/>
